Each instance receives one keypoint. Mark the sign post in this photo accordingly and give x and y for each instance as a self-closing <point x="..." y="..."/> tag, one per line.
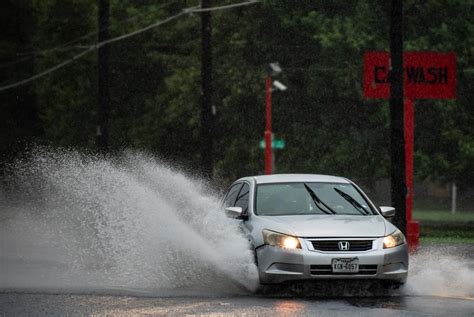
<point x="427" y="75"/>
<point x="413" y="227"/>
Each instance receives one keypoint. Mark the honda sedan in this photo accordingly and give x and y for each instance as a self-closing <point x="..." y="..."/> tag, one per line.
<point x="305" y="227"/>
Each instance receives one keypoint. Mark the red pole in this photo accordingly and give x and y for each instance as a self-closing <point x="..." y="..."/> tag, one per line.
<point x="409" y="140"/>
<point x="268" y="126"/>
<point x="413" y="229"/>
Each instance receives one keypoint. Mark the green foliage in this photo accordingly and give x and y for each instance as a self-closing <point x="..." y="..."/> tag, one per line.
<point x="18" y="107"/>
<point x="443" y="216"/>
<point x="155" y="84"/>
<point x="443" y="227"/>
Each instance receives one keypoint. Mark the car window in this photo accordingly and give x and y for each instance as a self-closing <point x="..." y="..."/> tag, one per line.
<point x="232" y="195"/>
<point x="296" y="199"/>
<point x="243" y="198"/>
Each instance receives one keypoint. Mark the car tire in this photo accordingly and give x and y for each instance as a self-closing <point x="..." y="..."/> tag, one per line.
<point x="392" y="285"/>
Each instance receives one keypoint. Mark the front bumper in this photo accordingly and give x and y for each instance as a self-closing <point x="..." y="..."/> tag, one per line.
<point x="277" y="265"/>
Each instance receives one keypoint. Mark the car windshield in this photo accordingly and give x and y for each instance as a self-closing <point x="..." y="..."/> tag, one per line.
<point x="310" y="198"/>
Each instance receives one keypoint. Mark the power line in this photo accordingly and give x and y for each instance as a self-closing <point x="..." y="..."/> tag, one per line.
<point x="89" y="50"/>
<point x="229" y="6"/>
<point x="48" y="71"/>
<point x="14" y="62"/>
<point x="94" y="47"/>
<point x="26" y="56"/>
<point x="33" y="55"/>
<point x="65" y="47"/>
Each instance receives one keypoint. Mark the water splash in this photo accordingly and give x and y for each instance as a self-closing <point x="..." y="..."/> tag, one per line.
<point x="441" y="271"/>
<point x="130" y="224"/>
<point x="78" y="222"/>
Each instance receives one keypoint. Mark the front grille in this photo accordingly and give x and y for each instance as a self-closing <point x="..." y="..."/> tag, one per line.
<point x="327" y="270"/>
<point x="333" y="245"/>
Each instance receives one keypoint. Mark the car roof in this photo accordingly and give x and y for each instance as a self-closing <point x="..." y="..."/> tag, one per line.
<point x="290" y="178"/>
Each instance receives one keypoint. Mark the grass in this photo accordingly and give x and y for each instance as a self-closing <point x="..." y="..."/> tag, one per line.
<point x="443" y="227"/>
<point x="426" y="240"/>
<point x="443" y="216"/>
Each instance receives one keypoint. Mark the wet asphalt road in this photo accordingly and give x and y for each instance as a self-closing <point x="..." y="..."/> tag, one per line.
<point x="323" y="301"/>
<point x="23" y="304"/>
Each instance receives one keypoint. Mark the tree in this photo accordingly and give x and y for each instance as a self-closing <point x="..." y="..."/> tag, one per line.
<point x="326" y="123"/>
<point x="19" y="118"/>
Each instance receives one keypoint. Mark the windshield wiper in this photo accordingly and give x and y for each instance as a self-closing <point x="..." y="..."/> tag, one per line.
<point x="352" y="201"/>
<point x="318" y="201"/>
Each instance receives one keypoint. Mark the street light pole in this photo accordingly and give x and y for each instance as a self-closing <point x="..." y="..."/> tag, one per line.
<point x="273" y="70"/>
<point x="268" y="126"/>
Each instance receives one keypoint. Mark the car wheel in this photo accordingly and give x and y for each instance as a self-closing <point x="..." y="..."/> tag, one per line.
<point x="392" y="285"/>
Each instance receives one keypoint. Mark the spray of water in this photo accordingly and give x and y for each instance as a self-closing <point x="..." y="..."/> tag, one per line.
<point x="436" y="272"/>
<point x="130" y="224"/>
<point x="76" y="222"/>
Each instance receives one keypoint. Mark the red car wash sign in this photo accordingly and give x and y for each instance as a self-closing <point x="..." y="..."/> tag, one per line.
<point x="427" y="75"/>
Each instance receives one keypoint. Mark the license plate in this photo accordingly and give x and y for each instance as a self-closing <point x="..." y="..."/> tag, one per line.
<point x="345" y="265"/>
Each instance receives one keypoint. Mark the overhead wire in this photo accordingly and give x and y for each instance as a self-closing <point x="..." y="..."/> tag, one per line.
<point x="96" y="46"/>
<point x="15" y="62"/>
<point x="66" y="46"/>
<point x="90" y="49"/>
<point x="229" y="6"/>
<point x="44" y="52"/>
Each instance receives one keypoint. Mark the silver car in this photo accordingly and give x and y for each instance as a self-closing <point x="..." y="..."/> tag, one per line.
<point x="305" y="227"/>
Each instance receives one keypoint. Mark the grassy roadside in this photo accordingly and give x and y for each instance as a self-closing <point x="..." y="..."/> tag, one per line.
<point x="443" y="227"/>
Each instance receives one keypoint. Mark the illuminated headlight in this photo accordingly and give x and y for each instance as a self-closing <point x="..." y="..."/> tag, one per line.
<point x="280" y="240"/>
<point x="393" y="240"/>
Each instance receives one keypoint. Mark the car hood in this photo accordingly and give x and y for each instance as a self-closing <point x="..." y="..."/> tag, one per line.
<point x="327" y="225"/>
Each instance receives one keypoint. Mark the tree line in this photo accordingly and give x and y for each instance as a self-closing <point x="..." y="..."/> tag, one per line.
<point x="154" y="83"/>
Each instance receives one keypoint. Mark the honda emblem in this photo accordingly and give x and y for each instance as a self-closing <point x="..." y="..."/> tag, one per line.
<point x="343" y="245"/>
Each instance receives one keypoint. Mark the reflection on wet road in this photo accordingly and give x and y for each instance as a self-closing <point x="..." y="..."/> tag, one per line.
<point x="12" y="304"/>
<point x="87" y="236"/>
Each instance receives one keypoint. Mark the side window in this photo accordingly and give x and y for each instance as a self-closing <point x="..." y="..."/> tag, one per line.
<point x="243" y="198"/>
<point x="232" y="195"/>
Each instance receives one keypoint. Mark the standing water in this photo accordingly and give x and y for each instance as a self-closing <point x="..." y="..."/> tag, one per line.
<point x="73" y="222"/>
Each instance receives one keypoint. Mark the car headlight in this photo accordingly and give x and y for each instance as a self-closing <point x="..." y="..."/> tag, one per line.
<point x="393" y="240"/>
<point x="280" y="240"/>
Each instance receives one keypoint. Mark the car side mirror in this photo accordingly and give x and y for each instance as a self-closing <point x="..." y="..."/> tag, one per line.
<point x="387" y="212"/>
<point x="235" y="213"/>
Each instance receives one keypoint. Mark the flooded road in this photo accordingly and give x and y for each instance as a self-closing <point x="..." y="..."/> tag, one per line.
<point x="83" y="235"/>
<point x="98" y="305"/>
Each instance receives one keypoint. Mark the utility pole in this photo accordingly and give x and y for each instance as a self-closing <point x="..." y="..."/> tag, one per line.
<point x="206" y="93"/>
<point x="397" y="136"/>
<point x="103" y="79"/>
